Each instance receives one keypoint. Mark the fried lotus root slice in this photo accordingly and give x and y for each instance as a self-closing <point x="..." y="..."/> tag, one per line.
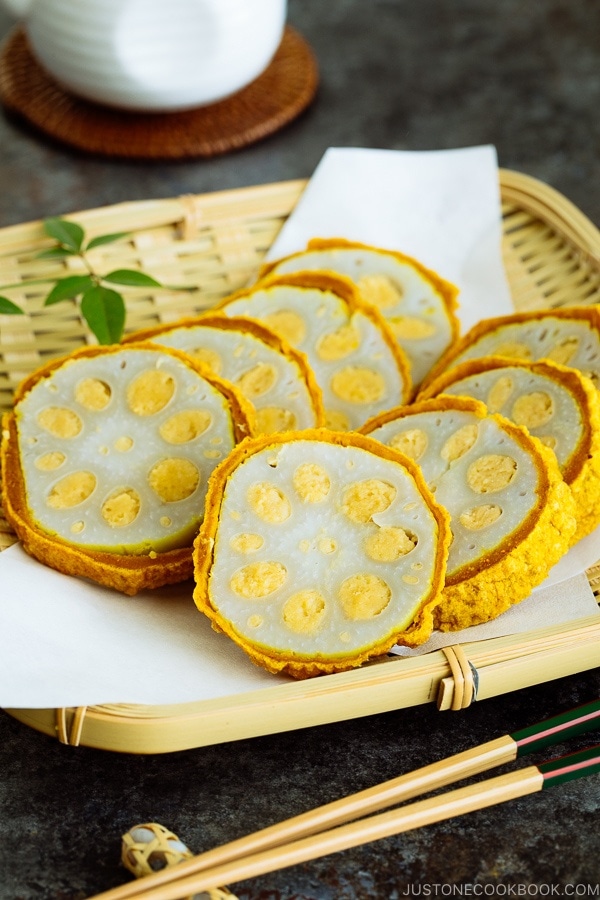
<point x="106" y="458"/>
<point x="512" y="515"/>
<point x="419" y="305"/>
<point x="319" y="551"/>
<point x="569" y="336"/>
<point x="274" y="377"/>
<point x="556" y="404"/>
<point x="356" y="362"/>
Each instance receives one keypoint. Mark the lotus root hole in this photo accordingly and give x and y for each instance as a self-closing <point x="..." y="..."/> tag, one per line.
<point x="338" y="344"/>
<point x="60" y="421"/>
<point x="258" y="580"/>
<point x="413" y="443"/>
<point x="185" y="426"/>
<point x="50" y="461"/>
<point x="174" y="479"/>
<point x="389" y="544"/>
<point x="358" y="384"/>
<point x="150" y="392"/>
<point x="564" y="352"/>
<point x="121" y="508"/>
<point x="246" y="542"/>
<point x="533" y="410"/>
<point x="380" y="290"/>
<point x="480" y="516"/>
<point x="272" y="419"/>
<point x="257" y="381"/>
<point x="411" y="328"/>
<point x="71" y="490"/>
<point x="364" y="499"/>
<point x="364" y="596"/>
<point x="92" y="393"/>
<point x="491" y="472"/>
<point x="303" y="613"/>
<point x="268" y="502"/>
<point x="499" y="393"/>
<point x="311" y="483"/>
<point x="459" y="443"/>
<point x="288" y="324"/>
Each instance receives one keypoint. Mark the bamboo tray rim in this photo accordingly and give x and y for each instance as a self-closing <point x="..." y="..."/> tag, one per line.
<point x="453" y="677"/>
<point x="496" y="666"/>
<point x="517" y="188"/>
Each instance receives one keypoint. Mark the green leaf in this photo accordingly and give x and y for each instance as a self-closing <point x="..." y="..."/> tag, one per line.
<point x="69" y="234"/>
<point x="131" y="277"/>
<point x="105" y="239"/>
<point x="8" y="308"/>
<point x="104" y="311"/>
<point x="55" y="253"/>
<point x="68" y="288"/>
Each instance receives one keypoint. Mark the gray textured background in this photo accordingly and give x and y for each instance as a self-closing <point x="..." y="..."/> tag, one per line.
<point x="394" y="74"/>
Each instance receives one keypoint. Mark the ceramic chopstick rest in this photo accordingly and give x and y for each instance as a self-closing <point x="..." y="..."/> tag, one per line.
<point x="150" y="847"/>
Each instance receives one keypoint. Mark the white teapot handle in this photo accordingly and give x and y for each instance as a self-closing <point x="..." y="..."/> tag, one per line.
<point x="17" y="8"/>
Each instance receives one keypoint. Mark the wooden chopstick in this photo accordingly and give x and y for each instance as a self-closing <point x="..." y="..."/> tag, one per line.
<point x="404" y="787"/>
<point x="308" y="832"/>
<point x="415" y="815"/>
<point x="364" y="831"/>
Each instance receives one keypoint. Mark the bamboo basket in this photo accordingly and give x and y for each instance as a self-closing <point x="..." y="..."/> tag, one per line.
<point x="216" y="242"/>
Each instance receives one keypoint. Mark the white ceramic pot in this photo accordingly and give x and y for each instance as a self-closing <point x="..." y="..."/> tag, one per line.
<point x="156" y="55"/>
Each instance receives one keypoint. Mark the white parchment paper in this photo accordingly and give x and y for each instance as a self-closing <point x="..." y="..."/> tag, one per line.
<point x="67" y="642"/>
<point x="441" y="206"/>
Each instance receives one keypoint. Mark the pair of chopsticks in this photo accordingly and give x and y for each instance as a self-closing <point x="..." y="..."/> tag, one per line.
<point x="337" y="826"/>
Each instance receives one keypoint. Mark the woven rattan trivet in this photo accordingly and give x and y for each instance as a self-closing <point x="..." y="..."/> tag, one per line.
<point x="274" y="99"/>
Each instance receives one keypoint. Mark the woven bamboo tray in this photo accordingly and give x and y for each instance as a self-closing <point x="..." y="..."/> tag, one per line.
<point x="217" y="241"/>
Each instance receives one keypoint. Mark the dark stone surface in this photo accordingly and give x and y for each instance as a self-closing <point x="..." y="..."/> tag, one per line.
<point x="64" y="809"/>
<point x="394" y="74"/>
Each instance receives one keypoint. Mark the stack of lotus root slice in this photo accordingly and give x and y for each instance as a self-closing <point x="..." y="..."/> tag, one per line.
<point x="358" y="364"/>
<point x="337" y="469"/>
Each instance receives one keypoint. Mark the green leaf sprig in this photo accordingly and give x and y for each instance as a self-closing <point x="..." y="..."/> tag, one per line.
<point x="102" y="307"/>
